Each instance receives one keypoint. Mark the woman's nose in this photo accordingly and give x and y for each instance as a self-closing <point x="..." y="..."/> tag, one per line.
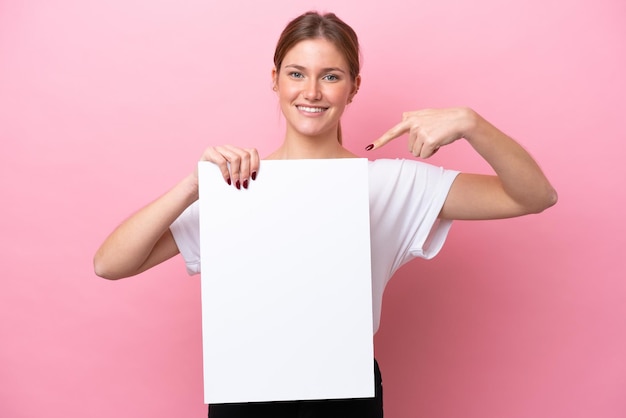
<point x="312" y="91"/>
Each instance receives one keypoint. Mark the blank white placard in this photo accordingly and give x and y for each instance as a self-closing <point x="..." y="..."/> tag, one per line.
<point x="286" y="283"/>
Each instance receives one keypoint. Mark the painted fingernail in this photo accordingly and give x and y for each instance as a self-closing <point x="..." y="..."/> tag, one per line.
<point x="228" y="181"/>
<point x="245" y="184"/>
<point x="253" y="175"/>
<point x="238" y="185"/>
<point x="369" y="147"/>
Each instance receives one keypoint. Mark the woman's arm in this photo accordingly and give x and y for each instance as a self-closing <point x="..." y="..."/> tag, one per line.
<point x="144" y="239"/>
<point x="519" y="186"/>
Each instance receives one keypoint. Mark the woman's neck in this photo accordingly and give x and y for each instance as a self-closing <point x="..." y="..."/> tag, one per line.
<point x="297" y="147"/>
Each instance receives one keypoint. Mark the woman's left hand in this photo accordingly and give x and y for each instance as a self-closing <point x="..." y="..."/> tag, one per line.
<point x="429" y="129"/>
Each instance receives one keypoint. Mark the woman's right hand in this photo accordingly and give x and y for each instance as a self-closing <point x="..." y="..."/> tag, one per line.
<point x="238" y="165"/>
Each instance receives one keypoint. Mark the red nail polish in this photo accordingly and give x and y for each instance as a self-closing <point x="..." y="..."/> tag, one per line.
<point x="237" y="185"/>
<point x="245" y="184"/>
<point x="253" y="175"/>
<point x="369" y="147"/>
<point x="228" y="181"/>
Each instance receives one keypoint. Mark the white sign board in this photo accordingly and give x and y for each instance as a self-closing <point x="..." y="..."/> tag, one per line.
<point x="286" y="283"/>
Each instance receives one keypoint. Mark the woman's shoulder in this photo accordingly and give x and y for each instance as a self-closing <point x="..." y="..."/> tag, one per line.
<point x="384" y="173"/>
<point x="395" y="164"/>
<point x="387" y="172"/>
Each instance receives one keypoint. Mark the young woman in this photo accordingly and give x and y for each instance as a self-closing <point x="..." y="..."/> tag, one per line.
<point x="315" y="76"/>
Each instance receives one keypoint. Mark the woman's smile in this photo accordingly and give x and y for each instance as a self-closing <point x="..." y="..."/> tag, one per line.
<point x="311" y="110"/>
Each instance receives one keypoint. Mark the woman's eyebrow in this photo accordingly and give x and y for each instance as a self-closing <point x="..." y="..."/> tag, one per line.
<point x="324" y="70"/>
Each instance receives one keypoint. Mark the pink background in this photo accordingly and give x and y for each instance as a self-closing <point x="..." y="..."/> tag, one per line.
<point x="105" y="104"/>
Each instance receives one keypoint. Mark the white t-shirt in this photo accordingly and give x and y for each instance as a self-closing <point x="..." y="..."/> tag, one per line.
<point x="405" y="200"/>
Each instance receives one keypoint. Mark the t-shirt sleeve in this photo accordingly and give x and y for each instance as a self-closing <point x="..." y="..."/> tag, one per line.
<point x="186" y="232"/>
<point x="408" y="197"/>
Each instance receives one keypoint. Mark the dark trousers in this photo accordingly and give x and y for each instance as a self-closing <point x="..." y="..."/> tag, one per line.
<point x="332" y="408"/>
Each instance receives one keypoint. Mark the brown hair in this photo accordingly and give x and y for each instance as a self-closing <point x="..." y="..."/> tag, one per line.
<point x="311" y="25"/>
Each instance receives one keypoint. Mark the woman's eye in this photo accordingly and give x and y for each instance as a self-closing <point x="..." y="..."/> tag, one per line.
<point x="295" y="74"/>
<point x="331" y="77"/>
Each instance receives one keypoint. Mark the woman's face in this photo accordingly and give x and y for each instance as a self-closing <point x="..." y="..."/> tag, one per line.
<point x="314" y="86"/>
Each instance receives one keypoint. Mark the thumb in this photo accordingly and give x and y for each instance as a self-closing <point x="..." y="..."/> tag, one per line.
<point x="391" y="134"/>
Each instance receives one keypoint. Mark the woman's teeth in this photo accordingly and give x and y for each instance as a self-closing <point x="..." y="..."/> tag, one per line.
<point x="311" y="109"/>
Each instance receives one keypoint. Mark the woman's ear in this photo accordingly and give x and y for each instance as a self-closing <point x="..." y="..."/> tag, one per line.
<point x="274" y="79"/>
<point x="355" y="88"/>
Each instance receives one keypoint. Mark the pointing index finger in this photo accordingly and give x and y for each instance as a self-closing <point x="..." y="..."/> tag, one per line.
<point x="398" y="130"/>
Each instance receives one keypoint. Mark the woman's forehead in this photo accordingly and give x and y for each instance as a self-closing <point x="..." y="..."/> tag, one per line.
<point x="318" y="52"/>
